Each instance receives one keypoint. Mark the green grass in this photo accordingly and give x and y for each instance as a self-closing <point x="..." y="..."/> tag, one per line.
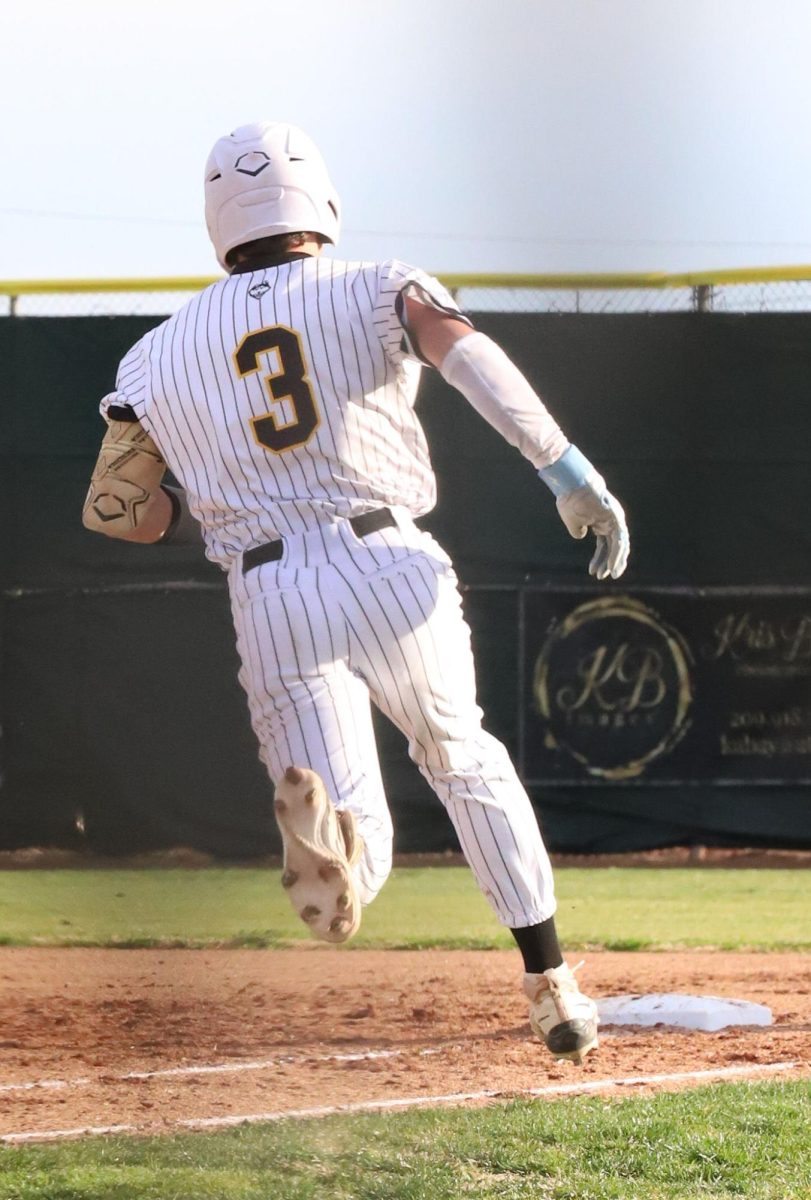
<point x="617" y="908"/>
<point x="723" y="1142"/>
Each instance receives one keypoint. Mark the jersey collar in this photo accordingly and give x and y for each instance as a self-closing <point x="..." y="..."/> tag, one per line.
<point x="269" y="260"/>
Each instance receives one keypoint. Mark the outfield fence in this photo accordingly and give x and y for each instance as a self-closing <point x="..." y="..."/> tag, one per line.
<point x="747" y="290"/>
<point x="692" y="721"/>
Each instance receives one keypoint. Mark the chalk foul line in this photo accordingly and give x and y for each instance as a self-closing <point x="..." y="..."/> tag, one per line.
<point x="261" y="1064"/>
<point x="405" y="1102"/>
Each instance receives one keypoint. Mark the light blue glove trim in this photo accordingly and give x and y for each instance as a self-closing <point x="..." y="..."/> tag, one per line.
<point x="571" y="471"/>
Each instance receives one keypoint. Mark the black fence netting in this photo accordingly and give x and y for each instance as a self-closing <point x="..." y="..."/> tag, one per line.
<point x="671" y="706"/>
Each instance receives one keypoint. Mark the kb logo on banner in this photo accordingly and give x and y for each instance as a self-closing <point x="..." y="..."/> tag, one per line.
<point x="613" y="684"/>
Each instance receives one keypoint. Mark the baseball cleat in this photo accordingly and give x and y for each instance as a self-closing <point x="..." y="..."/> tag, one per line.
<point x="560" y="1015"/>
<point x="320" y="848"/>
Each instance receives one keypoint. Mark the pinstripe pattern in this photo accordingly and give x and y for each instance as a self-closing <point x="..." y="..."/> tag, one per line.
<point x="382" y="618"/>
<point x="338" y="622"/>
<point x="369" y="449"/>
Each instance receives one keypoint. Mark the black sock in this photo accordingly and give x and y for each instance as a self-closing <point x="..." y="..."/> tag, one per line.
<point x="539" y="946"/>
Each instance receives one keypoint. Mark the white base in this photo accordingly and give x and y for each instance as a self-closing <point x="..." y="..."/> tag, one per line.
<point x="689" y="1012"/>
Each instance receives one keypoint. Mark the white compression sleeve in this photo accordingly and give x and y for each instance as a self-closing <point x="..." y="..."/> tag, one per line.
<point x="494" y="386"/>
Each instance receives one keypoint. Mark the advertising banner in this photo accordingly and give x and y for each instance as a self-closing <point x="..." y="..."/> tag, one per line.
<point x="666" y="686"/>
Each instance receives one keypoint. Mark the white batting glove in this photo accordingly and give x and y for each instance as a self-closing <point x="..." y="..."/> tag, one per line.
<point x="584" y="502"/>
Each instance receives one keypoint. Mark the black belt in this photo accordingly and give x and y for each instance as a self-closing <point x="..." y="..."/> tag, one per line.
<point x="368" y="522"/>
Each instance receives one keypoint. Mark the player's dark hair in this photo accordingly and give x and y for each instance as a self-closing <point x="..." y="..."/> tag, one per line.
<point x="280" y="243"/>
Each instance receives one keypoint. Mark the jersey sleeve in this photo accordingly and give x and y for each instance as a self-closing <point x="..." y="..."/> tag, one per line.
<point x="126" y="402"/>
<point x="397" y="281"/>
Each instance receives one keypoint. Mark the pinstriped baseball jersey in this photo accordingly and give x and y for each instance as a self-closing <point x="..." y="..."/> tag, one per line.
<point x="284" y="397"/>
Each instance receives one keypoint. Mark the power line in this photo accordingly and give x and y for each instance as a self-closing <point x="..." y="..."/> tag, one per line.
<point x="77" y="216"/>
<point x="454" y="236"/>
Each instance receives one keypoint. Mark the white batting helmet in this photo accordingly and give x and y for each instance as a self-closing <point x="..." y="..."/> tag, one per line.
<point x="265" y="179"/>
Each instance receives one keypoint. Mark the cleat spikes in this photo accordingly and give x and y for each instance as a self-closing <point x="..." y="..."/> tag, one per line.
<point x="329" y="870"/>
<point x="320" y="850"/>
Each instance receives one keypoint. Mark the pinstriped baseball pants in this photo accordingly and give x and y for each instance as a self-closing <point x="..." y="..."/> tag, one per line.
<point x="340" y="621"/>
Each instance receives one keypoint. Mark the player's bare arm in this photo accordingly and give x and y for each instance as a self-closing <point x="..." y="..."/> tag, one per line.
<point x="125" y="499"/>
<point x="432" y="331"/>
<point x="477" y="367"/>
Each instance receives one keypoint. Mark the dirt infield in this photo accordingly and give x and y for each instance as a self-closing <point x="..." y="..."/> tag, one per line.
<point x="149" y="1038"/>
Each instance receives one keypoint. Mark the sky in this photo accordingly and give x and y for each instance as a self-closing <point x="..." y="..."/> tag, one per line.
<point x="462" y="135"/>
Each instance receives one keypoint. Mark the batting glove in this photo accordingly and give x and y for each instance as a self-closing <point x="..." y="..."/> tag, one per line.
<point x="584" y="502"/>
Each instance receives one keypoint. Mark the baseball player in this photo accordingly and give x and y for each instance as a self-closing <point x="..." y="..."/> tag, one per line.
<point x="282" y="399"/>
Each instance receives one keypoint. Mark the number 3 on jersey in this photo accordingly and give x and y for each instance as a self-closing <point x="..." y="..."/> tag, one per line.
<point x="293" y="416"/>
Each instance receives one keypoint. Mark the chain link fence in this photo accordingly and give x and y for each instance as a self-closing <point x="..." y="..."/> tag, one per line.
<point x="576" y="300"/>
<point x="761" y="292"/>
<point x="769" y="296"/>
<point x="94" y="304"/>
<point x="774" y="296"/>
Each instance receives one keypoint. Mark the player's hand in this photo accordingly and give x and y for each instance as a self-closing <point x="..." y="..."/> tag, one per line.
<point x="593" y="507"/>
